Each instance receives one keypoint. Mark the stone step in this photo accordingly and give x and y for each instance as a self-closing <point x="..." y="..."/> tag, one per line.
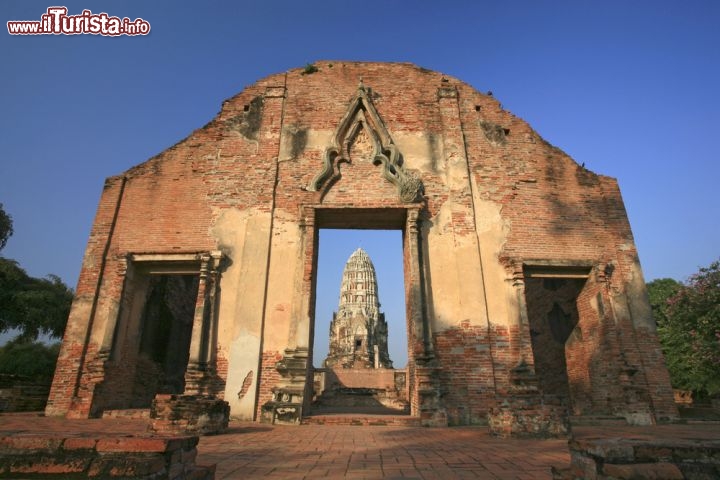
<point x="596" y="420"/>
<point x="361" y="402"/>
<point x="362" y="397"/>
<point x="344" y="409"/>
<point x="362" y="420"/>
<point x="134" y="413"/>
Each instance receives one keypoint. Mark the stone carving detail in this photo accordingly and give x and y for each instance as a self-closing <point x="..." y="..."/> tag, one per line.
<point x="411" y="187"/>
<point x="362" y="115"/>
<point x="288" y="397"/>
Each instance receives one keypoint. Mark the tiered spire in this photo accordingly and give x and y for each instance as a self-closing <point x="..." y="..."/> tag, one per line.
<point x="358" y="332"/>
<point x="358" y="291"/>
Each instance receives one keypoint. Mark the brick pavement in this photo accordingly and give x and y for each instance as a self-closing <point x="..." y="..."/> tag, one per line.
<point x="356" y="452"/>
<point x="37" y="423"/>
<point x="251" y="450"/>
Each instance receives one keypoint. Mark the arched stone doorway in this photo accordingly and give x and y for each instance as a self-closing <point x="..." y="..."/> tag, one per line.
<point x="293" y="395"/>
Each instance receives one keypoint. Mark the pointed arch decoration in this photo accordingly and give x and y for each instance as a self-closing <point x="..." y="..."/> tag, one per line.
<point x="361" y="114"/>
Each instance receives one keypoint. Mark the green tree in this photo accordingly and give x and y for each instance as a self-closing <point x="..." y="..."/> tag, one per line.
<point x="33" y="360"/>
<point x="32" y="305"/>
<point x="6" y="227"/>
<point x="689" y="330"/>
<point x="27" y="304"/>
<point x="660" y="291"/>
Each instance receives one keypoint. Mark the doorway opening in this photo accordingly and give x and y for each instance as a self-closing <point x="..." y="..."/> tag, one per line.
<point x="151" y="340"/>
<point x="555" y="326"/>
<point x="360" y="345"/>
<point x="166" y="325"/>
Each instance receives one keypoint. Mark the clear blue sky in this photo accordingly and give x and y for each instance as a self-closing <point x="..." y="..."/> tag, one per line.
<point x="632" y="89"/>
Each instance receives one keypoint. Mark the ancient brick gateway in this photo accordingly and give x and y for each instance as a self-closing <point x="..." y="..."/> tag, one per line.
<point x="523" y="289"/>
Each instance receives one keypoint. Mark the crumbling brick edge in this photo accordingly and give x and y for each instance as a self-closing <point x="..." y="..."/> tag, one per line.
<point x="79" y="457"/>
<point x="627" y="458"/>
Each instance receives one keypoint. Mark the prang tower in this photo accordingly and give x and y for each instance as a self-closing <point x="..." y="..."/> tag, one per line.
<point x="358" y="331"/>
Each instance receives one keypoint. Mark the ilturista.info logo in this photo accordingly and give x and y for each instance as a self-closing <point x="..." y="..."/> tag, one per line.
<point x="57" y="22"/>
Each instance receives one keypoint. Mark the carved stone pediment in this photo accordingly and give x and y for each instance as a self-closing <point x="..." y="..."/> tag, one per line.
<point x="361" y="121"/>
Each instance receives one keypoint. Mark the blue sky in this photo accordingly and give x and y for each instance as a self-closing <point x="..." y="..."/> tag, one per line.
<point x="628" y="88"/>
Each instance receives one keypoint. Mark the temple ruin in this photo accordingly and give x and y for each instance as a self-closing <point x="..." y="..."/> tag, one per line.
<point x="358" y="331"/>
<point x="525" y="300"/>
<point x="358" y="375"/>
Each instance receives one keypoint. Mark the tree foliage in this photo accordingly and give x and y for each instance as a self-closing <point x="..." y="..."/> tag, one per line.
<point x="688" y="318"/>
<point x="32" y="305"/>
<point x="33" y="360"/>
<point x="6" y="227"/>
<point x="27" y="304"/>
<point x="660" y="291"/>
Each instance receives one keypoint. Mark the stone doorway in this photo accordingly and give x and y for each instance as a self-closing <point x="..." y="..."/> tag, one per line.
<point x="166" y="326"/>
<point x="362" y="371"/>
<point x="157" y="339"/>
<point x="552" y="316"/>
<point x="152" y="345"/>
<point x="418" y="332"/>
<point x="563" y="306"/>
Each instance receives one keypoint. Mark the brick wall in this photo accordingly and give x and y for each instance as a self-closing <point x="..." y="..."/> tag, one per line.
<point x="383" y="378"/>
<point x="79" y="457"/>
<point x="263" y="150"/>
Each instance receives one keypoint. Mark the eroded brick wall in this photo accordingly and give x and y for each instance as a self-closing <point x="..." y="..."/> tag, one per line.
<point x="361" y="378"/>
<point x="269" y="379"/>
<point x="496" y="196"/>
<point x="468" y="373"/>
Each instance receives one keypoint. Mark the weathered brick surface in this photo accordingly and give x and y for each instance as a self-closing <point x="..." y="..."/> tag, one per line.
<point x="362" y="377"/>
<point x="189" y="415"/>
<point x="666" y="471"/>
<point x="497" y="197"/>
<point x="56" y="456"/>
<point x="644" y="456"/>
<point x="20" y="394"/>
<point x="468" y="373"/>
<point x="269" y="378"/>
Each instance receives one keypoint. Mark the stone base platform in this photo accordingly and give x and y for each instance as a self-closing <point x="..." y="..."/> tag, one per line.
<point x="362" y="420"/>
<point x="333" y="450"/>
<point x="189" y="415"/>
<point x="33" y="446"/>
<point x="671" y="452"/>
<point x="132" y="413"/>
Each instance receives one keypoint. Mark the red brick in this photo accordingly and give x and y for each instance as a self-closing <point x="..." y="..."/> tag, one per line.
<point x="551" y="208"/>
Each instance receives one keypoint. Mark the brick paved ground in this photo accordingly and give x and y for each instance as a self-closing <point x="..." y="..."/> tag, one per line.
<point x="251" y="450"/>
<point x="357" y="452"/>
<point x="36" y="423"/>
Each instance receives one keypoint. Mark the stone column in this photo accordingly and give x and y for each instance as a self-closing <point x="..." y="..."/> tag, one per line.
<point x="423" y="370"/>
<point x="200" y="370"/>
<point x="209" y="354"/>
<point x="417" y="313"/>
<point x="124" y="271"/>
<point x="196" y="361"/>
<point x="198" y="410"/>
<point x="300" y="334"/>
<point x="524" y="370"/>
